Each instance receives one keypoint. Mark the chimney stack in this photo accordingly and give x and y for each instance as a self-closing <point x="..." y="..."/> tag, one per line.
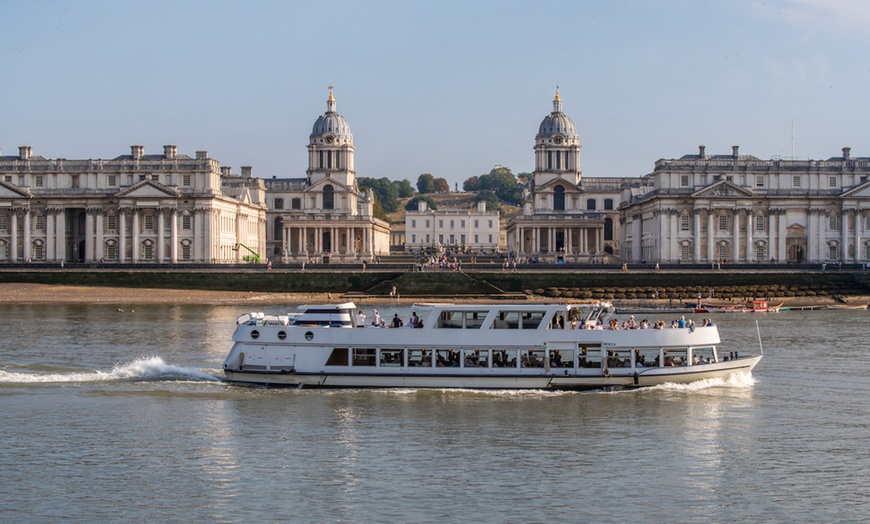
<point x="24" y="152"/>
<point x="847" y="152"/>
<point x="702" y="151"/>
<point x="246" y="171"/>
<point x="734" y="150"/>
<point x="169" y="152"/>
<point x="225" y="171"/>
<point x="137" y="151"/>
<point x="201" y="155"/>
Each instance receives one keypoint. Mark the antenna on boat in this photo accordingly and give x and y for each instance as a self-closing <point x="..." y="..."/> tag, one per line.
<point x="758" y="329"/>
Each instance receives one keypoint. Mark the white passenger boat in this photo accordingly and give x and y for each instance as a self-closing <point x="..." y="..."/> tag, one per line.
<point x="498" y="346"/>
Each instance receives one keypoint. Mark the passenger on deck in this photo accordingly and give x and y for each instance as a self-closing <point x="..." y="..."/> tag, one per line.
<point x="414" y="320"/>
<point x="397" y="322"/>
<point x="360" y="319"/>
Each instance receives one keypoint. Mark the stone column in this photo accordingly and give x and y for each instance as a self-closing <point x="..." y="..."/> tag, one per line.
<point x="750" y="251"/>
<point x="673" y="245"/>
<point x="735" y="241"/>
<point x="49" y="235"/>
<point x="122" y="235"/>
<point x="696" y="236"/>
<point x="781" y="236"/>
<point x="13" y="229"/>
<point x="88" y="255"/>
<point x="771" y="235"/>
<point x="161" y="239"/>
<point x="859" y="228"/>
<point x="173" y="236"/>
<point x="636" y="232"/>
<point x="26" y="241"/>
<point x="711" y="238"/>
<point x="135" y="255"/>
<point x="844" y="234"/>
<point x="60" y="237"/>
<point x="98" y="247"/>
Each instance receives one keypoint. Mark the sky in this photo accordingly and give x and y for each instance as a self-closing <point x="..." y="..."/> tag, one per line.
<point x="450" y="88"/>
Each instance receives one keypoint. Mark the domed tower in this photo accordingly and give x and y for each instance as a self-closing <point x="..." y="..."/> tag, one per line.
<point x="330" y="148"/>
<point x="557" y="148"/>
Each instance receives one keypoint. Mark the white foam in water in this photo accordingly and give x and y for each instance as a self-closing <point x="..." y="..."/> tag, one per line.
<point x="737" y="380"/>
<point x="146" y="368"/>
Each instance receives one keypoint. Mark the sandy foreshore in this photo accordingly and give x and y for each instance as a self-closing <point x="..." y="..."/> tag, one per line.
<point x="52" y="294"/>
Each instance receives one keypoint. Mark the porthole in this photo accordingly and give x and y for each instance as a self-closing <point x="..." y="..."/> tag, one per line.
<point x="309" y="335"/>
<point x="255" y="334"/>
<point x="282" y="335"/>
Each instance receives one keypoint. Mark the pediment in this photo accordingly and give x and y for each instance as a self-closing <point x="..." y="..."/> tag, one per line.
<point x="550" y="185"/>
<point x="861" y="191"/>
<point x="147" y="189"/>
<point x="723" y="188"/>
<point x="317" y="187"/>
<point x="8" y="190"/>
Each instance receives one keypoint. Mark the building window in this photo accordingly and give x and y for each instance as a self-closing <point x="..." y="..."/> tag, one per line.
<point x="723" y="222"/>
<point x="413" y="223"/>
<point x="475" y="239"/>
<point x="759" y="180"/>
<point x="413" y="238"/>
<point x="684" y="180"/>
<point x="760" y="251"/>
<point x="462" y="224"/>
<point x="279" y="203"/>
<point x="451" y="224"/>
<point x="686" y="252"/>
<point x="490" y="224"/>
<point x="723" y="251"/>
<point x="832" y="181"/>
<point x="149" y="222"/>
<point x="185" y="221"/>
<point x="328" y="197"/>
<point x="111" y="251"/>
<point x="427" y="238"/>
<point x="427" y="225"/>
<point x="759" y="223"/>
<point x="440" y="224"/>
<point x="40" y="180"/>
<point x="490" y="239"/>
<point x="608" y="204"/>
<point x="440" y="239"/>
<point x="863" y="179"/>
<point x="461" y="239"/>
<point x="476" y="225"/>
<point x="111" y="222"/>
<point x="796" y="181"/>
<point x="148" y="251"/>
<point x="296" y="203"/>
<point x="185" y="180"/>
<point x="3" y="222"/>
<point x="590" y="204"/>
<point x="684" y="223"/>
<point x="185" y="251"/>
<point x="452" y="239"/>
<point x="38" y="251"/>
<point x="832" y="223"/>
<point x="8" y="178"/>
<point x="729" y="178"/>
<point x="559" y="198"/>
<point x="141" y="178"/>
<point x="113" y="180"/>
<point x="833" y="252"/>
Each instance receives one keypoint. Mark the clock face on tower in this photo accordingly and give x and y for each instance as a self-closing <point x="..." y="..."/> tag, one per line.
<point x="329" y="139"/>
<point x="557" y="139"/>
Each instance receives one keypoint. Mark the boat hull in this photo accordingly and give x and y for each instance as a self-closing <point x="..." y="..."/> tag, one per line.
<point x="555" y="379"/>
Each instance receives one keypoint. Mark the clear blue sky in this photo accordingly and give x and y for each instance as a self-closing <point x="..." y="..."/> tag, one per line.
<point x="449" y="87"/>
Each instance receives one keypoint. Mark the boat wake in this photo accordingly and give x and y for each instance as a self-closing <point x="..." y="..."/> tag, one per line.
<point x="141" y="369"/>
<point x="736" y="381"/>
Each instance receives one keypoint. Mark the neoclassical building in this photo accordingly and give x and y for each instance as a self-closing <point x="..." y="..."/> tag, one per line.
<point x="565" y="216"/>
<point x="324" y="217"/>
<point x="134" y="208"/>
<point x="739" y="208"/>
<point x="456" y="229"/>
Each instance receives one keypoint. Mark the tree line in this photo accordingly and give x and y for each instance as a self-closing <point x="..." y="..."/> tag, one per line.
<point x="498" y="186"/>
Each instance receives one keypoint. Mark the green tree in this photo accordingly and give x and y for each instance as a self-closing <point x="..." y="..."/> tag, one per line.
<point x="441" y="185"/>
<point x="378" y="210"/>
<point x="524" y="177"/>
<point x="471" y="184"/>
<point x="385" y="189"/>
<point x="412" y="204"/>
<point x="501" y="181"/>
<point x="491" y="199"/>
<point x="405" y="188"/>
<point x="425" y="184"/>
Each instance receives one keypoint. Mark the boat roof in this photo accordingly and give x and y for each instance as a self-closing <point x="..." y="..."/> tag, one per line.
<point x="509" y="307"/>
<point x="336" y="307"/>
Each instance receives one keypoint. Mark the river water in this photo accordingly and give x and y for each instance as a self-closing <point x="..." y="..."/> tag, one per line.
<point x="116" y="416"/>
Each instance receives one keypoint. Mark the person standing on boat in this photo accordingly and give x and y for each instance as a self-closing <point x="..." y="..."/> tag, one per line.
<point x="360" y="319"/>
<point x="377" y="320"/>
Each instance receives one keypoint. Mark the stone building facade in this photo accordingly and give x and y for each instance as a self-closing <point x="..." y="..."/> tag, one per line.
<point x="739" y="208"/>
<point x="473" y="230"/>
<point x="324" y="217"/>
<point x="134" y="208"/>
<point x="564" y="216"/>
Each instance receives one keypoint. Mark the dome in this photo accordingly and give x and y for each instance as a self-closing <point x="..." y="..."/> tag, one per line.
<point x="330" y="122"/>
<point x="557" y="122"/>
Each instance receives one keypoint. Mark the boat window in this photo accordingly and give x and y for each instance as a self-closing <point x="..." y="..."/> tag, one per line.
<point x="676" y="357"/>
<point x="590" y="356"/>
<point x="474" y="319"/>
<point x="559" y="322"/>
<point x="475" y="358"/>
<point x="534" y="358"/>
<point x="392" y="357"/>
<point x="532" y="319"/>
<point x="419" y="357"/>
<point x="703" y="355"/>
<point x="338" y="357"/>
<point x="364" y="356"/>
<point x="561" y="358"/>
<point x="507" y="320"/>
<point x="447" y="358"/>
<point x="504" y="358"/>
<point x="618" y="358"/>
<point x="646" y="358"/>
<point x="450" y="319"/>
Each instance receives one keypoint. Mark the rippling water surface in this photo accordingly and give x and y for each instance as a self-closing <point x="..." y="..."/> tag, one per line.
<point x="110" y="416"/>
